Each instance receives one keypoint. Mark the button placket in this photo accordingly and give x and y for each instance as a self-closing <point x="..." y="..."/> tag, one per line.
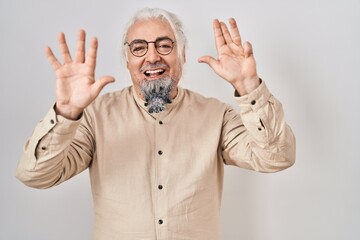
<point x="160" y="152"/>
<point x="161" y="180"/>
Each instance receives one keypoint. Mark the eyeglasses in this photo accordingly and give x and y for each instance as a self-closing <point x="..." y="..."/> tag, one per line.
<point x="139" y="47"/>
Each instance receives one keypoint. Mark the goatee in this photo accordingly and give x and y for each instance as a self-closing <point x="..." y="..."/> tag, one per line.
<point x="157" y="93"/>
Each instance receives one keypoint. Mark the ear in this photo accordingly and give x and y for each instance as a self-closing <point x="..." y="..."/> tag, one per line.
<point x="184" y="56"/>
<point x="127" y="63"/>
<point x="125" y="58"/>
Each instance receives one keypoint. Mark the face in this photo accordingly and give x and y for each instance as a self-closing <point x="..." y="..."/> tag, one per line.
<point x="152" y="66"/>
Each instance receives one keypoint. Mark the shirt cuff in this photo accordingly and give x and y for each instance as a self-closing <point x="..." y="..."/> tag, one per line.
<point x="65" y="126"/>
<point x="58" y="124"/>
<point x="254" y="100"/>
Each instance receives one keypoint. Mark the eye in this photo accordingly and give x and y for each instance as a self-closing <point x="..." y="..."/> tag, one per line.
<point x="164" y="45"/>
<point x="138" y="48"/>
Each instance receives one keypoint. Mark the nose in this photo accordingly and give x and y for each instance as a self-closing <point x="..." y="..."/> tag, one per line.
<point x="152" y="55"/>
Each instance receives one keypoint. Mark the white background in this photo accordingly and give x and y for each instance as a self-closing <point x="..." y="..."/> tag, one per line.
<point x="308" y="54"/>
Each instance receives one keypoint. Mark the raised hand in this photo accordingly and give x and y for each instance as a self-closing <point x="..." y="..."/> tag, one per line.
<point x="235" y="62"/>
<point x="76" y="87"/>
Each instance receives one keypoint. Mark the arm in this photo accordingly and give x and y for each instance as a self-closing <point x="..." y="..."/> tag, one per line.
<point x="59" y="147"/>
<point x="57" y="150"/>
<point x="258" y="138"/>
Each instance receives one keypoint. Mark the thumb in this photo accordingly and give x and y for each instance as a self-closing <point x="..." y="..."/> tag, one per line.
<point x="248" y="50"/>
<point x="101" y="83"/>
<point x="212" y="62"/>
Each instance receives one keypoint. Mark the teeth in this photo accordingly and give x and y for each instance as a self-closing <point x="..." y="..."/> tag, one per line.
<point x="154" y="71"/>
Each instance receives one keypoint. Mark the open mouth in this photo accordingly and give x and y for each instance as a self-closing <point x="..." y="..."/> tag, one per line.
<point x="154" y="72"/>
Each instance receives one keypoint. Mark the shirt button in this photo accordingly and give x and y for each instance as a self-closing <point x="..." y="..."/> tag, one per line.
<point x="43" y="148"/>
<point x="160" y="152"/>
<point x="161" y="221"/>
<point x="52" y="121"/>
<point x="253" y="102"/>
<point x="160" y="122"/>
<point x="160" y="187"/>
<point x="259" y="129"/>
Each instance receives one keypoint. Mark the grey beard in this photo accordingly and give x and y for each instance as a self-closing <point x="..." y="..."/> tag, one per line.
<point x="157" y="93"/>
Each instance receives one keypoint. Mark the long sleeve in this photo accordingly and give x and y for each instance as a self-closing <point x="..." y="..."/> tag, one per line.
<point x="57" y="150"/>
<point x="259" y="138"/>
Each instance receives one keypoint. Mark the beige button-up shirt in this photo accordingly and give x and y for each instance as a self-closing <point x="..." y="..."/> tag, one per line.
<point x="158" y="176"/>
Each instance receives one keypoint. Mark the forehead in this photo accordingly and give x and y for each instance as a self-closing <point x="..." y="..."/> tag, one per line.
<point x="149" y="29"/>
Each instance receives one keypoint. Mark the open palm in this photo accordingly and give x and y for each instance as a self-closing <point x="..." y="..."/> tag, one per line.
<point x="76" y="87"/>
<point x="235" y="62"/>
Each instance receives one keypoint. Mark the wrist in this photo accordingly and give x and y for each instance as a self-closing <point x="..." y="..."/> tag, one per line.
<point x="246" y="86"/>
<point x="68" y="112"/>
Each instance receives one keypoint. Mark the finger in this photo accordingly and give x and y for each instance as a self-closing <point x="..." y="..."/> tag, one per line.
<point x="226" y="33"/>
<point x="212" y="62"/>
<point x="91" y="56"/>
<point x="101" y="83"/>
<point x="248" y="50"/>
<point x="52" y="59"/>
<point x="80" y="47"/>
<point x="235" y="32"/>
<point x="64" y="48"/>
<point x="219" y="38"/>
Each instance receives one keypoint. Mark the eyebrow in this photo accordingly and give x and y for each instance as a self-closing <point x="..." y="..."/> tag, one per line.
<point x="157" y="39"/>
<point x="163" y="38"/>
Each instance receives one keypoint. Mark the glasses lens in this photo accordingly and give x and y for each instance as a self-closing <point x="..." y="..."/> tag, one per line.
<point x="164" y="46"/>
<point x="138" y="48"/>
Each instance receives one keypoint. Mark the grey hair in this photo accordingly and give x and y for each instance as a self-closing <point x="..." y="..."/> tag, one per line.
<point x="166" y="16"/>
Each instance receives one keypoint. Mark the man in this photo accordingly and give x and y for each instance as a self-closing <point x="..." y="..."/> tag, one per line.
<point x="155" y="151"/>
